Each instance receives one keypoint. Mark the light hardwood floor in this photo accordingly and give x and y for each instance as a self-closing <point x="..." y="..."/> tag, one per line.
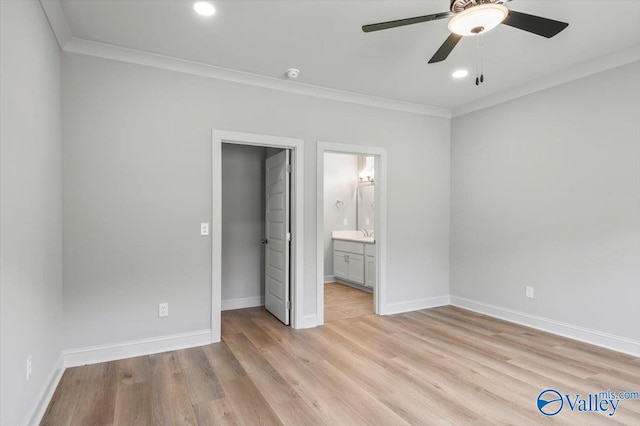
<point x="438" y="366"/>
<point x="342" y="301"/>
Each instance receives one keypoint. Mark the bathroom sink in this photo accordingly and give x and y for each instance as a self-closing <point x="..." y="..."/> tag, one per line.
<point x="357" y="236"/>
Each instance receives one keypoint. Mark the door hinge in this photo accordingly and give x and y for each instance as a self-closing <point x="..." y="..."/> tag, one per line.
<point x="288" y="236"/>
<point x="288" y="304"/>
<point x="288" y="168"/>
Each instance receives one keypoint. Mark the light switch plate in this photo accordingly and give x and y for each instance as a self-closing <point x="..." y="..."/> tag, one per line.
<point x="345" y="222"/>
<point x="204" y="229"/>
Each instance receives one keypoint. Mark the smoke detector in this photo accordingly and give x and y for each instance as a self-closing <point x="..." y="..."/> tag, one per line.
<point x="292" y="73"/>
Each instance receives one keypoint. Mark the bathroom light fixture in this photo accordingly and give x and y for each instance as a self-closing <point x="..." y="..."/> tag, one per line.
<point x="204" y="8"/>
<point x="460" y="74"/>
<point x="366" y="176"/>
<point x="478" y="19"/>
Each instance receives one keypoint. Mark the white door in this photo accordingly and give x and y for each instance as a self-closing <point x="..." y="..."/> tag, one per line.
<point x="277" y="236"/>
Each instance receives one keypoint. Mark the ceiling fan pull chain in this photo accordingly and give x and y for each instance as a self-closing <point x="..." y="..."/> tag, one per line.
<point x="477" y="60"/>
<point x="481" y="61"/>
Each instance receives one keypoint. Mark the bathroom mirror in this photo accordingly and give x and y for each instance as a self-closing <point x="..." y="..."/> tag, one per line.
<point x="365" y="193"/>
<point x="365" y="207"/>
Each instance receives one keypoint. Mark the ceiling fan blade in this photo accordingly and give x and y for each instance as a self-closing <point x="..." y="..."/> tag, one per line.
<point x="534" y="24"/>
<point x="402" y="22"/>
<point x="446" y="48"/>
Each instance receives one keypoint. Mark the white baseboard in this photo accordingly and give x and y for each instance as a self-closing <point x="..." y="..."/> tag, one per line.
<point x="247" y="302"/>
<point x="329" y="279"/>
<point x="95" y="354"/>
<point x="414" y="305"/>
<point x="40" y="406"/>
<point x="594" y="337"/>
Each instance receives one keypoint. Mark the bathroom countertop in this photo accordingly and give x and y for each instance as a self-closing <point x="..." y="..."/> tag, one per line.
<point x="356" y="236"/>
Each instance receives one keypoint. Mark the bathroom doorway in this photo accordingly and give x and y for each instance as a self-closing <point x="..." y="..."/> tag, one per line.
<point x="351" y="231"/>
<point x="349" y="235"/>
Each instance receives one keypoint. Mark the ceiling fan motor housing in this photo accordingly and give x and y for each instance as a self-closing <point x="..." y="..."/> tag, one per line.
<point x="460" y="5"/>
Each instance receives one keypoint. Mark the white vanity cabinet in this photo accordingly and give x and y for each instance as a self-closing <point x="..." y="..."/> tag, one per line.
<point x="352" y="262"/>
<point x="370" y="265"/>
<point x="348" y="261"/>
<point x="340" y="265"/>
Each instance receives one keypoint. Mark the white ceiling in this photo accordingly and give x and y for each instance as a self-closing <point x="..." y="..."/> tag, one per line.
<point x="323" y="38"/>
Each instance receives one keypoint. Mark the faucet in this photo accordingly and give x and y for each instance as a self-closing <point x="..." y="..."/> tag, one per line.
<point x="365" y="232"/>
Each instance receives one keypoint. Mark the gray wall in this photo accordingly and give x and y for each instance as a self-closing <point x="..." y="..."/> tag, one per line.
<point x="546" y="193"/>
<point x="138" y="184"/>
<point x="243" y="215"/>
<point x="340" y="173"/>
<point x="30" y="207"/>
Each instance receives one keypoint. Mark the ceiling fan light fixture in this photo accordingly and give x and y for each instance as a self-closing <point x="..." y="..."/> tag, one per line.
<point x="478" y="19"/>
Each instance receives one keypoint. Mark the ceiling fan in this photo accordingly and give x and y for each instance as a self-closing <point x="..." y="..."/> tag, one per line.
<point x="475" y="17"/>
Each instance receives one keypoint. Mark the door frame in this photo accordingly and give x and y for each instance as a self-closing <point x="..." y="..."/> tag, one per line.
<point x="380" y="211"/>
<point x="218" y="137"/>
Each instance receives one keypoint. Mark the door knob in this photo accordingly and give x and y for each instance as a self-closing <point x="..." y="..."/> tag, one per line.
<point x="265" y="241"/>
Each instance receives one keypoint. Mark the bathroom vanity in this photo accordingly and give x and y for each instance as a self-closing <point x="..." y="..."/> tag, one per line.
<point x="354" y="258"/>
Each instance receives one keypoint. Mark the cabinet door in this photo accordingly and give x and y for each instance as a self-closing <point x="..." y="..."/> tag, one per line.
<point x="356" y="268"/>
<point x="370" y="271"/>
<point x="340" y="265"/>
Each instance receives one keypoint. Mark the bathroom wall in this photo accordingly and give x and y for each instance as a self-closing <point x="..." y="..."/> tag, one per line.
<point x="340" y="180"/>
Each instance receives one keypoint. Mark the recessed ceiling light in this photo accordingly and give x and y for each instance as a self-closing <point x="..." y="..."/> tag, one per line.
<point x="460" y="74"/>
<point x="204" y="8"/>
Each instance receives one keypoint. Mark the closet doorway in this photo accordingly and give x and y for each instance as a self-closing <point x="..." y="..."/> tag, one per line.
<point x="293" y="151"/>
<point x="256" y="229"/>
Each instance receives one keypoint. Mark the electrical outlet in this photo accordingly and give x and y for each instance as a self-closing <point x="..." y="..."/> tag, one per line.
<point x="204" y="229"/>
<point x="529" y="292"/>
<point x="29" y="367"/>
<point x="345" y="222"/>
<point x="163" y="310"/>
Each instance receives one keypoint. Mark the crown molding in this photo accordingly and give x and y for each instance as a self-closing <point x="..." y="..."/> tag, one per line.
<point x="566" y="75"/>
<point x="57" y="21"/>
<point x="122" y="54"/>
<point x="68" y="43"/>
